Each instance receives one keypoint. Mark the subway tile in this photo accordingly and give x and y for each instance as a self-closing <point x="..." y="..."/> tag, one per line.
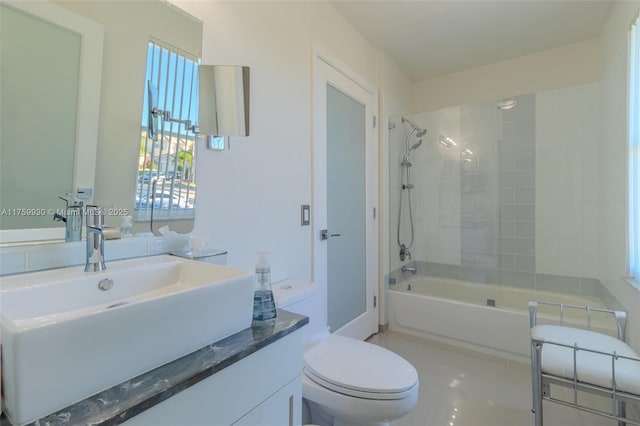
<point x="469" y="258"/>
<point x="517" y="143"/>
<point x="524" y="195"/>
<point x="507" y="261"/>
<point x="608" y="299"/>
<point x="468" y="222"/>
<point x="489" y="227"/>
<point x="507" y="196"/>
<point x="468" y="202"/>
<point x="477" y="242"/>
<point x="590" y="268"/>
<point x="590" y="287"/>
<point x="519" y="179"/>
<point x="478" y="275"/>
<point x="521" y="212"/>
<point x="525" y="109"/>
<point x="525" y="160"/>
<point x="525" y="229"/>
<point x="509" y="130"/>
<point x="507" y="162"/>
<point x="486" y="180"/>
<point x="484" y="163"/>
<point x="526" y="126"/>
<point x="443" y="270"/>
<point x="591" y="192"/>
<point x="547" y="264"/>
<point x="554" y="194"/>
<point x="558" y="283"/>
<point x="488" y="260"/>
<point x="507" y="228"/>
<point x="516" y="279"/>
<point x="525" y="263"/>
<point x="517" y="246"/>
<point x="471" y="166"/>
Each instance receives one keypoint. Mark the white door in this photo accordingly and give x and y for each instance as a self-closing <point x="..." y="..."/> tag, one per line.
<point x="345" y="201"/>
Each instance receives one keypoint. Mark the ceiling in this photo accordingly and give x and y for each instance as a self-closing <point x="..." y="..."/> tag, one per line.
<point x="428" y="38"/>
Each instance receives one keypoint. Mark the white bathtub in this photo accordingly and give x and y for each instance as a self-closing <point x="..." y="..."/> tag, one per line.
<point x="456" y="312"/>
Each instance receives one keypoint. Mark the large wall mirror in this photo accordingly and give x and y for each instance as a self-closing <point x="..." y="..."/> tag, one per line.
<point x="104" y="148"/>
<point x="50" y="83"/>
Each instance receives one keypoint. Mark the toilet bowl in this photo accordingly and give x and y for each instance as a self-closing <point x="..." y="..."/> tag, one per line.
<point x="346" y="382"/>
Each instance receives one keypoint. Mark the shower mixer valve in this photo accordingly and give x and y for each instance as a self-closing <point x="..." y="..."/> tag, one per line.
<point x="404" y="253"/>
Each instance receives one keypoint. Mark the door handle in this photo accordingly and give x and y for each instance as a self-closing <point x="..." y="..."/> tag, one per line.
<point x="324" y="234"/>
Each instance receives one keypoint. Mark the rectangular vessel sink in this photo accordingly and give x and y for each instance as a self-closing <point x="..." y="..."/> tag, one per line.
<point x="64" y="338"/>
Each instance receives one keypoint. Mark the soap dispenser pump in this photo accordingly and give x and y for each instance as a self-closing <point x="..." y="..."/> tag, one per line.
<point x="264" y="306"/>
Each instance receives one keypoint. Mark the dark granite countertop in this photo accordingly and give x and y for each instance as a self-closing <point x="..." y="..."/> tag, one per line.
<point x="123" y="401"/>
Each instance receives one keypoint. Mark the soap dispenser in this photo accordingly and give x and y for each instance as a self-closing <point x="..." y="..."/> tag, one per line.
<point x="126" y="227"/>
<point x="264" y="306"/>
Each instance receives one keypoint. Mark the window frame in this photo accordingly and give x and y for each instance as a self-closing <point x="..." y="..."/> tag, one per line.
<point x="168" y="165"/>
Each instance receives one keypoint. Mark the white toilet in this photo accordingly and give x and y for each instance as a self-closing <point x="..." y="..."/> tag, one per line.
<point x="346" y="382"/>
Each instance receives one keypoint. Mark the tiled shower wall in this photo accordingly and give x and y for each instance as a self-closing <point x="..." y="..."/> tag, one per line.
<point x="513" y="203"/>
<point x="498" y="192"/>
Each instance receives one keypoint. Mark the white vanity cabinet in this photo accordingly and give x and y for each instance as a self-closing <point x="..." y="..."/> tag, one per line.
<point x="263" y="388"/>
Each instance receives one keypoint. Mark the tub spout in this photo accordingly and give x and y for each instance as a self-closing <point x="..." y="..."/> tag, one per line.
<point x="409" y="269"/>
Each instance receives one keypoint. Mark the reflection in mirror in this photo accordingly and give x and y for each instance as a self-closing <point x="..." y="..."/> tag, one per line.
<point x="216" y="143"/>
<point x="111" y="166"/>
<point x="48" y="135"/>
<point x="152" y="105"/>
<point x="224" y="100"/>
<point x="166" y="187"/>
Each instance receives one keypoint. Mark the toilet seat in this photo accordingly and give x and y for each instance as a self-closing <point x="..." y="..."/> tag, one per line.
<point x="359" y="369"/>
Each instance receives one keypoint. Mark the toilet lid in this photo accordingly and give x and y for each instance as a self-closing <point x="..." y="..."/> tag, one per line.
<point x="352" y="365"/>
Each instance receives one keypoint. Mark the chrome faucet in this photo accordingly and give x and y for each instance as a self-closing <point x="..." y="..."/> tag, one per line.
<point x="95" y="239"/>
<point x="404" y="253"/>
<point x="72" y="220"/>
<point x="409" y="269"/>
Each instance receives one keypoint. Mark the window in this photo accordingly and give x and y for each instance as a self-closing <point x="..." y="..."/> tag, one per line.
<point x="166" y="169"/>
<point x="634" y="151"/>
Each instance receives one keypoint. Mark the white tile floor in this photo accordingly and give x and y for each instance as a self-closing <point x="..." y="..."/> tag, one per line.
<point x="464" y="388"/>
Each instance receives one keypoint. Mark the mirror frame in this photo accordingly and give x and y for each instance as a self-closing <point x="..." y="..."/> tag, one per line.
<point x="88" y="111"/>
<point x="224" y="100"/>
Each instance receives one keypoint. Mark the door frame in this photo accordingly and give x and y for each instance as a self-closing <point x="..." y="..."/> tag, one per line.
<point x="327" y="69"/>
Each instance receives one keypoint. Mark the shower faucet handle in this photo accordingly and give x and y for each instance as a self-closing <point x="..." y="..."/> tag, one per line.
<point x="324" y="234"/>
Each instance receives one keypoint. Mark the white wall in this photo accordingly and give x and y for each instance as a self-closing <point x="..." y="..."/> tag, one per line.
<point x="249" y="197"/>
<point x="568" y="65"/>
<point x="613" y="164"/>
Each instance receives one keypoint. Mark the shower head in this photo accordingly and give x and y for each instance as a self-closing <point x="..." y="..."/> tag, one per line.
<point x="419" y="131"/>
<point x="406" y="162"/>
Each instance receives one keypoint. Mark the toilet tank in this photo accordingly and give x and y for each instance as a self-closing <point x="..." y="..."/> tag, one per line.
<point x="303" y="298"/>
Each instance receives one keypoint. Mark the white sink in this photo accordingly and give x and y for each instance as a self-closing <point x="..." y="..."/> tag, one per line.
<point x="64" y="339"/>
